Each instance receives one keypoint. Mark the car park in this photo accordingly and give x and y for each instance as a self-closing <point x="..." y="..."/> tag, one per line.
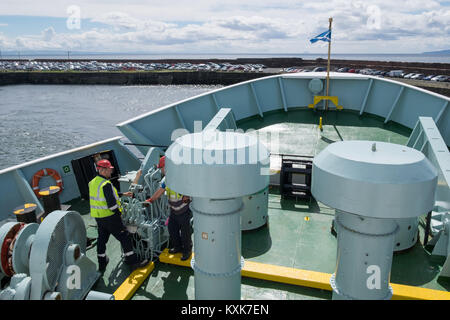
<point x="89" y="66"/>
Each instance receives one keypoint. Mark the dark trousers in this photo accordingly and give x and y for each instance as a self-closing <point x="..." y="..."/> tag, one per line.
<point x="113" y="225"/>
<point x="180" y="231"/>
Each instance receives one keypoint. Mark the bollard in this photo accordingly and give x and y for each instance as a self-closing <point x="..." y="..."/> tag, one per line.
<point x="50" y="197"/>
<point x="26" y="213"/>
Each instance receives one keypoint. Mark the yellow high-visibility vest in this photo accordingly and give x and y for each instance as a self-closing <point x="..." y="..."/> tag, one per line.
<point x="172" y="195"/>
<point x="97" y="200"/>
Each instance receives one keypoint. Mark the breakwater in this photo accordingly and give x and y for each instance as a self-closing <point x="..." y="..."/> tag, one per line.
<point x="128" y="78"/>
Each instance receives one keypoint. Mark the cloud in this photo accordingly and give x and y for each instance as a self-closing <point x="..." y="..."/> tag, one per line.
<point x="253" y="26"/>
<point x="118" y="19"/>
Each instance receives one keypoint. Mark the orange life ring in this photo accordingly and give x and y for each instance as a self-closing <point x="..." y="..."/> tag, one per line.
<point x="42" y="173"/>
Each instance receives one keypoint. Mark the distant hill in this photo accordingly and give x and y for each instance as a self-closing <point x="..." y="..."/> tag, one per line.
<point x="441" y="52"/>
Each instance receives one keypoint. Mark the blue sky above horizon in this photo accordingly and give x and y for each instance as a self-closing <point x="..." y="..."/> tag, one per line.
<point x="263" y="26"/>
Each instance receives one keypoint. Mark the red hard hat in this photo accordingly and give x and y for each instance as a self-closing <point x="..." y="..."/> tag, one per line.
<point x="162" y="162"/>
<point x="105" y="164"/>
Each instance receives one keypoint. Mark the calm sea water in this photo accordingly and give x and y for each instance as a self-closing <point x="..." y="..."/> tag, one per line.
<point x="309" y="56"/>
<point x="39" y="120"/>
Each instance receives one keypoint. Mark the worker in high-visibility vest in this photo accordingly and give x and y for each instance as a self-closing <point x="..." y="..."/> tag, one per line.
<point x="179" y="226"/>
<point x="107" y="209"/>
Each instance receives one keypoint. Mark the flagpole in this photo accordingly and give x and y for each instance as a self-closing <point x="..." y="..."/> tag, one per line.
<point x="328" y="66"/>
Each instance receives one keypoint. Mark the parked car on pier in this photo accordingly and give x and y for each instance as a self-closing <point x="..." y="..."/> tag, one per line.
<point x="395" y="73"/>
<point x="440" y="78"/>
<point x="409" y="75"/>
<point x="418" y="76"/>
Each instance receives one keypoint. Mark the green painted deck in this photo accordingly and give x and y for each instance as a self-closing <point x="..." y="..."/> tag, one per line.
<point x="289" y="239"/>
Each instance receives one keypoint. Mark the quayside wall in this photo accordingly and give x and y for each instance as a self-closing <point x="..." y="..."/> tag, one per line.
<point x="161" y="78"/>
<point x="128" y="78"/>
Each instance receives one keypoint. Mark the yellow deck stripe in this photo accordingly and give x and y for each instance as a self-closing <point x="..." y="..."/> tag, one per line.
<point x="311" y="279"/>
<point x="132" y="283"/>
<point x="166" y="257"/>
<point x="304" y="278"/>
<point x="403" y="292"/>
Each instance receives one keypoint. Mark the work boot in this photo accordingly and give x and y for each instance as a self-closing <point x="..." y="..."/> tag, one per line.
<point x="140" y="264"/>
<point x="186" y="256"/>
<point x="174" y="250"/>
<point x="102" y="262"/>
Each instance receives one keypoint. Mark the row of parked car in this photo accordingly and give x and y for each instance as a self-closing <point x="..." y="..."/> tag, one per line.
<point x="378" y="73"/>
<point x="126" y="66"/>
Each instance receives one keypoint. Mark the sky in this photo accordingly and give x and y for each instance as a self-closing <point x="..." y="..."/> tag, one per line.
<point x="231" y="26"/>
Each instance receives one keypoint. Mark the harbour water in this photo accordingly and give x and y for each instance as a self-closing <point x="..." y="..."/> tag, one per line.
<point x="40" y="120"/>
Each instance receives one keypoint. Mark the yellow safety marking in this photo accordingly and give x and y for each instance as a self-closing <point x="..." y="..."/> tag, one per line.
<point x="166" y="257"/>
<point x="46" y="191"/>
<point x="306" y="218"/>
<point x="21" y="209"/>
<point x="288" y="275"/>
<point x="403" y="292"/>
<point x="333" y="99"/>
<point x="320" y="123"/>
<point x="133" y="282"/>
<point x="311" y="279"/>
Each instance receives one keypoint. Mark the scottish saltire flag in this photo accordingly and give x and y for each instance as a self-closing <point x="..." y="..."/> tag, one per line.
<point x="325" y="36"/>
